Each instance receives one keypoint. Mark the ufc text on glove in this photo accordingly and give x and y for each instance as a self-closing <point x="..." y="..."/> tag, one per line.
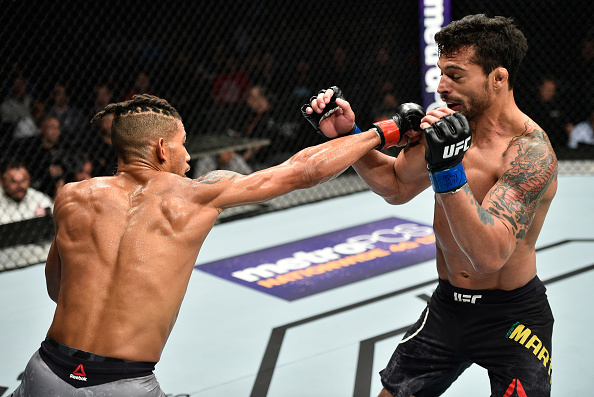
<point x="446" y="142"/>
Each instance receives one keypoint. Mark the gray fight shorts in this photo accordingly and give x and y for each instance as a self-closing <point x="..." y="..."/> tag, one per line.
<point x="40" y="381"/>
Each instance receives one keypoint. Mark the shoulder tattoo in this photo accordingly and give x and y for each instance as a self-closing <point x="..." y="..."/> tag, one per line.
<point x="217" y="176"/>
<point x="518" y="193"/>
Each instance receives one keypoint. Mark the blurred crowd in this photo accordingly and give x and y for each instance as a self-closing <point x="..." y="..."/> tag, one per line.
<point x="47" y="139"/>
<point x="563" y="105"/>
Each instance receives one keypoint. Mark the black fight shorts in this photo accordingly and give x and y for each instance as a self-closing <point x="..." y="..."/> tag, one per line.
<point x="508" y="333"/>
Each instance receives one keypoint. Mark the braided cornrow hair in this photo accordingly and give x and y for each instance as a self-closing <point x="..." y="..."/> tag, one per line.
<point x="139" y="122"/>
<point x="139" y="104"/>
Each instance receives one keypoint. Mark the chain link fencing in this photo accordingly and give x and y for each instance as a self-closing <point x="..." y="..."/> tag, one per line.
<point x="243" y="69"/>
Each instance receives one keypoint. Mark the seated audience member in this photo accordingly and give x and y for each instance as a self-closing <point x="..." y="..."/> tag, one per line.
<point x="18" y="200"/>
<point x="580" y="72"/>
<point x="582" y="133"/>
<point x="229" y="161"/>
<point x="77" y="167"/>
<point x="100" y="149"/>
<point x="228" y="90"/>
<point x="102" y="97"/>
<point x="71" y="118"/>
<point x="39" y="113"/>
<point x="16" y="110"/>
<point x="258" y="122"/>
<point x="230" y="85"/>
<point x="549" y="112"/>
<point x="41" y="154"/>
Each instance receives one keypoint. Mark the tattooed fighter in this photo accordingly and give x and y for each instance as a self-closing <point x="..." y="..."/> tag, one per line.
<point x="125" y="247"/>
<point x="491" y="199"/>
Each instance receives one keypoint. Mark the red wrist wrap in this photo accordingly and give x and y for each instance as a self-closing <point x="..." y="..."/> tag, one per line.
<point x="390" y="131"/>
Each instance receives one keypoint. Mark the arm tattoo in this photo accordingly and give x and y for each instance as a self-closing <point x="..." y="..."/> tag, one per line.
<point x="521" y="187"/>
<point x="485" y="216"/>
<point x="216" y="176"/>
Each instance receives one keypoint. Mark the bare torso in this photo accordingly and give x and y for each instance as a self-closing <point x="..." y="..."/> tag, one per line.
<point x="127" y="247"/>
<point x="510" y="168"/>
<point x="485" y="163"/>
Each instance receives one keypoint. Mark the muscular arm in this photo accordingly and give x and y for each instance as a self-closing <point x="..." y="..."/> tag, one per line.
<point x="307" y="168"/>
<point x="396" y="180"/>
<point x="489" y="233"/>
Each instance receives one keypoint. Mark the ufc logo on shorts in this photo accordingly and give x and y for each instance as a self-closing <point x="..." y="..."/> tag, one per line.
<point x="466" y="298"/>
<point x="454" y="149"/>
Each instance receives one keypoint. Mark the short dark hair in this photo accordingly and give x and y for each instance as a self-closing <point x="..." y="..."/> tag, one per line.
<point x="139" y="121"/>
<point x="12" y="164"/>
<point x="497" y="42"/>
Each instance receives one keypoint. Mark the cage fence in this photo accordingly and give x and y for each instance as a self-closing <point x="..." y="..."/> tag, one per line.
<point x="243" y="70"/>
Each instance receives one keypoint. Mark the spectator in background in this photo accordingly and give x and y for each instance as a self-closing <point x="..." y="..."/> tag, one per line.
<point x="230" y="85"/>
<point x="39" y="113"/>
<point x="16" y="110"/>
<point x="71" y="118"/>
<point x="299" y="83"/>
<point x="549" y="113"/>
<point x="580" y="72"/>
<point x="259" y="122"/>
<point x="100" y="149"/>
<point x="228" y="90"/>
<point x="189" y="84"/>
<point x="82" y="170"/>
<point x="142" y="85"/>
<point x="229" y="161"/>
<point x="77" y="167"/>
<point x="302" y="86"/>
<point x="42" y="155"/>
<point x="262" y="68"/>
<point x="18" y="200"/>
<point x="101" y="98"/>
<point x="582" y="133"/>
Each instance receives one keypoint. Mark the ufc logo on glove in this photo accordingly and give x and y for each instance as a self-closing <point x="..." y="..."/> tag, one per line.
<point x="447" y="141"/>
<point x="454" y="149"/>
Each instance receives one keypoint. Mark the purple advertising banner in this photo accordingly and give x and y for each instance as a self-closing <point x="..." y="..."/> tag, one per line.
<point x="433" y="15"/>
<point x="302" y="268"/>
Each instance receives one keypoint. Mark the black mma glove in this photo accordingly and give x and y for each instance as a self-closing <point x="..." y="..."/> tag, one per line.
<point x="316" y="118"/>
<point x="446" y="142"/>
<point x="408" y="117"/>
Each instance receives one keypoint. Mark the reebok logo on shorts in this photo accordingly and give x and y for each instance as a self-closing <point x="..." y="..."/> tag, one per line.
<point x="79" y="373"/>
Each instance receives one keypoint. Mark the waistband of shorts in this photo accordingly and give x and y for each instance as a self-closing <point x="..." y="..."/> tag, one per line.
<point x="82" y="369"/>
<point x="81" y="354"/>
<point x="532" y="287"/>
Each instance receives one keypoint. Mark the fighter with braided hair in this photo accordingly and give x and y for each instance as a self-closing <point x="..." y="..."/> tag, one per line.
<point x="125" y="247"/>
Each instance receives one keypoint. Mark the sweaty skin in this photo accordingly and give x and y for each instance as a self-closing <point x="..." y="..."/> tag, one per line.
<point x="486" y="232"/>
<point x="125" y="246"/>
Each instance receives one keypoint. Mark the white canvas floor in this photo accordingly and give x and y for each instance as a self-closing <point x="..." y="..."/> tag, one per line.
<point x="231" y="340"/>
